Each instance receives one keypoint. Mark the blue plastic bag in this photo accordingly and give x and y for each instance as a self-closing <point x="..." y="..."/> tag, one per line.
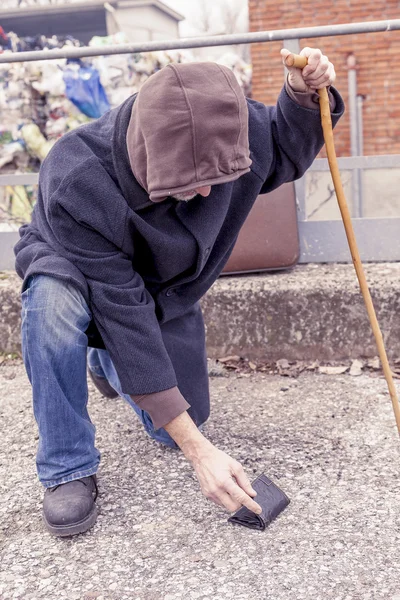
<point x="83" y="87"/>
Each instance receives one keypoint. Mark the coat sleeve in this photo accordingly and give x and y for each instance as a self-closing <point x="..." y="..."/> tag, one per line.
<point x="87" y="223"/>
<point x="286" y="138"/>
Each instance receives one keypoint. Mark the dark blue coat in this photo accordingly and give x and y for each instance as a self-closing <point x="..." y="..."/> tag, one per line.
<point x="143" y="266"/>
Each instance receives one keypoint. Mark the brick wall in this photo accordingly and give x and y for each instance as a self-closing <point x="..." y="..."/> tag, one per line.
<point x="377" y="56"/>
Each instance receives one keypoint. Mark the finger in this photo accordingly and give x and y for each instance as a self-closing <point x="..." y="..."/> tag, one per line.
<point x="320" y="82"/>
<point x="314" y="57"/>
<point x="227" y="502"/>
<point x="243" y="481"/>
<point x="219" y="496"/>
<point x="216" y="500"/>
<point x="322" y="67"/>
<point x="306" y="52"/>
<point x="313" y="54"/>
<point x="316" y="70"/>
<point x="332" y="74"/>
<point x="312" y="80"/>
<point x="240" y="496"/>
<point x="329" y="73"/>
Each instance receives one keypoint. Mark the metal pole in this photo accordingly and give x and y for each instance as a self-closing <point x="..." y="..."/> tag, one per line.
<point x="360" y="100"/>
<point x="292" y="44"/>
<point x="352" y="83"/>
<point x="354" y="135"/>
<point x="196" y="42"/>
<point x="360" y="152"/>
<point x="300" y="184"/>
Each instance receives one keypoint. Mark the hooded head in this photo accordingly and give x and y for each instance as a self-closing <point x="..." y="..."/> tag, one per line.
<point x="188" y="129"/>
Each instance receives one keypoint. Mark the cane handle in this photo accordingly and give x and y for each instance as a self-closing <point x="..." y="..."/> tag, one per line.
<point x="295" y="60"/>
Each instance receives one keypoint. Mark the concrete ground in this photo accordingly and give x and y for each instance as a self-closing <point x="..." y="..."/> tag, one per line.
<point x="329" y="441"/>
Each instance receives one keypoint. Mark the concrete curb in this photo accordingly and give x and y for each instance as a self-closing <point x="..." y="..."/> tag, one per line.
<point x="312" y="312"/>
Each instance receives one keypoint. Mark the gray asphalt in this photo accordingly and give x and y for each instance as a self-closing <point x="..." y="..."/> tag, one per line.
<point x="329" y="441"/>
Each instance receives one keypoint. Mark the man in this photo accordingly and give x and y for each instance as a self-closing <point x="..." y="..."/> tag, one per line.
<point x="137" y="213"/>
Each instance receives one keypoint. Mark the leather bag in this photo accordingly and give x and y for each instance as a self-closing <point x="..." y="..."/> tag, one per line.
<point x="269" y="239"/>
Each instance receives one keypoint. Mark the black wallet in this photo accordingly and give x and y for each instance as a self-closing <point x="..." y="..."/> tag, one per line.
<point x="272" y="501"/>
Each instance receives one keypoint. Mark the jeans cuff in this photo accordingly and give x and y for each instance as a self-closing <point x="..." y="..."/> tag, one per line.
<point x="78" y="475"/>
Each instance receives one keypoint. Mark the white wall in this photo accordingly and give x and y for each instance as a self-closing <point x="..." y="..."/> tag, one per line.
<point x="143" y="23"/>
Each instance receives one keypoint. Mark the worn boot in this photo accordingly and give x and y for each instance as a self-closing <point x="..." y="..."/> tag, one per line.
<point x="70" y="508"/>
<point x="102" y="385"/>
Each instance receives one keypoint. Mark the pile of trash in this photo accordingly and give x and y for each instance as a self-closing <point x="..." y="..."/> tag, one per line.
<point x="42" y="100"/>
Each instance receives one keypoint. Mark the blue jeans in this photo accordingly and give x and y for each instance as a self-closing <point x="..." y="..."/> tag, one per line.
<point x="55" y="350"/>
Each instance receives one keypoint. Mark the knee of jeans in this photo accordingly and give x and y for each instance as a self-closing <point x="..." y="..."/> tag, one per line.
<point x="54" y="309"/>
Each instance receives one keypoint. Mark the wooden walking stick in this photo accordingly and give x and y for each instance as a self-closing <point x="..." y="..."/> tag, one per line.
<point x="295" y="60"/>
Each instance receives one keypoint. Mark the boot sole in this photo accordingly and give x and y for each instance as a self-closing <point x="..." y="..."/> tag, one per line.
<point x="74" y="528"/>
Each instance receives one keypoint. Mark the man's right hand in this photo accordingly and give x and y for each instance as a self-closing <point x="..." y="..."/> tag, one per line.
<point x="222" y="478"/>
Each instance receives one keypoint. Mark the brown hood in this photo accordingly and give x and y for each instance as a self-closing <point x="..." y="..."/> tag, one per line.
<point x="189" y="128"/>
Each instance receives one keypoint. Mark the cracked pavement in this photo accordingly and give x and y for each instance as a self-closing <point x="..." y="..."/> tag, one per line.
<point x="329" y="441"/>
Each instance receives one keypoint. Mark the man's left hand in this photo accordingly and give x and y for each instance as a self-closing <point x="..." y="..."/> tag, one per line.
<point x="319" y="72"/>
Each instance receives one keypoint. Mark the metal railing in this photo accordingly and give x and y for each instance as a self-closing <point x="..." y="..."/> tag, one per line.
<point x="200" y="42"/>
<point x="320" y="241"/>
<point x="325" y="241"/>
